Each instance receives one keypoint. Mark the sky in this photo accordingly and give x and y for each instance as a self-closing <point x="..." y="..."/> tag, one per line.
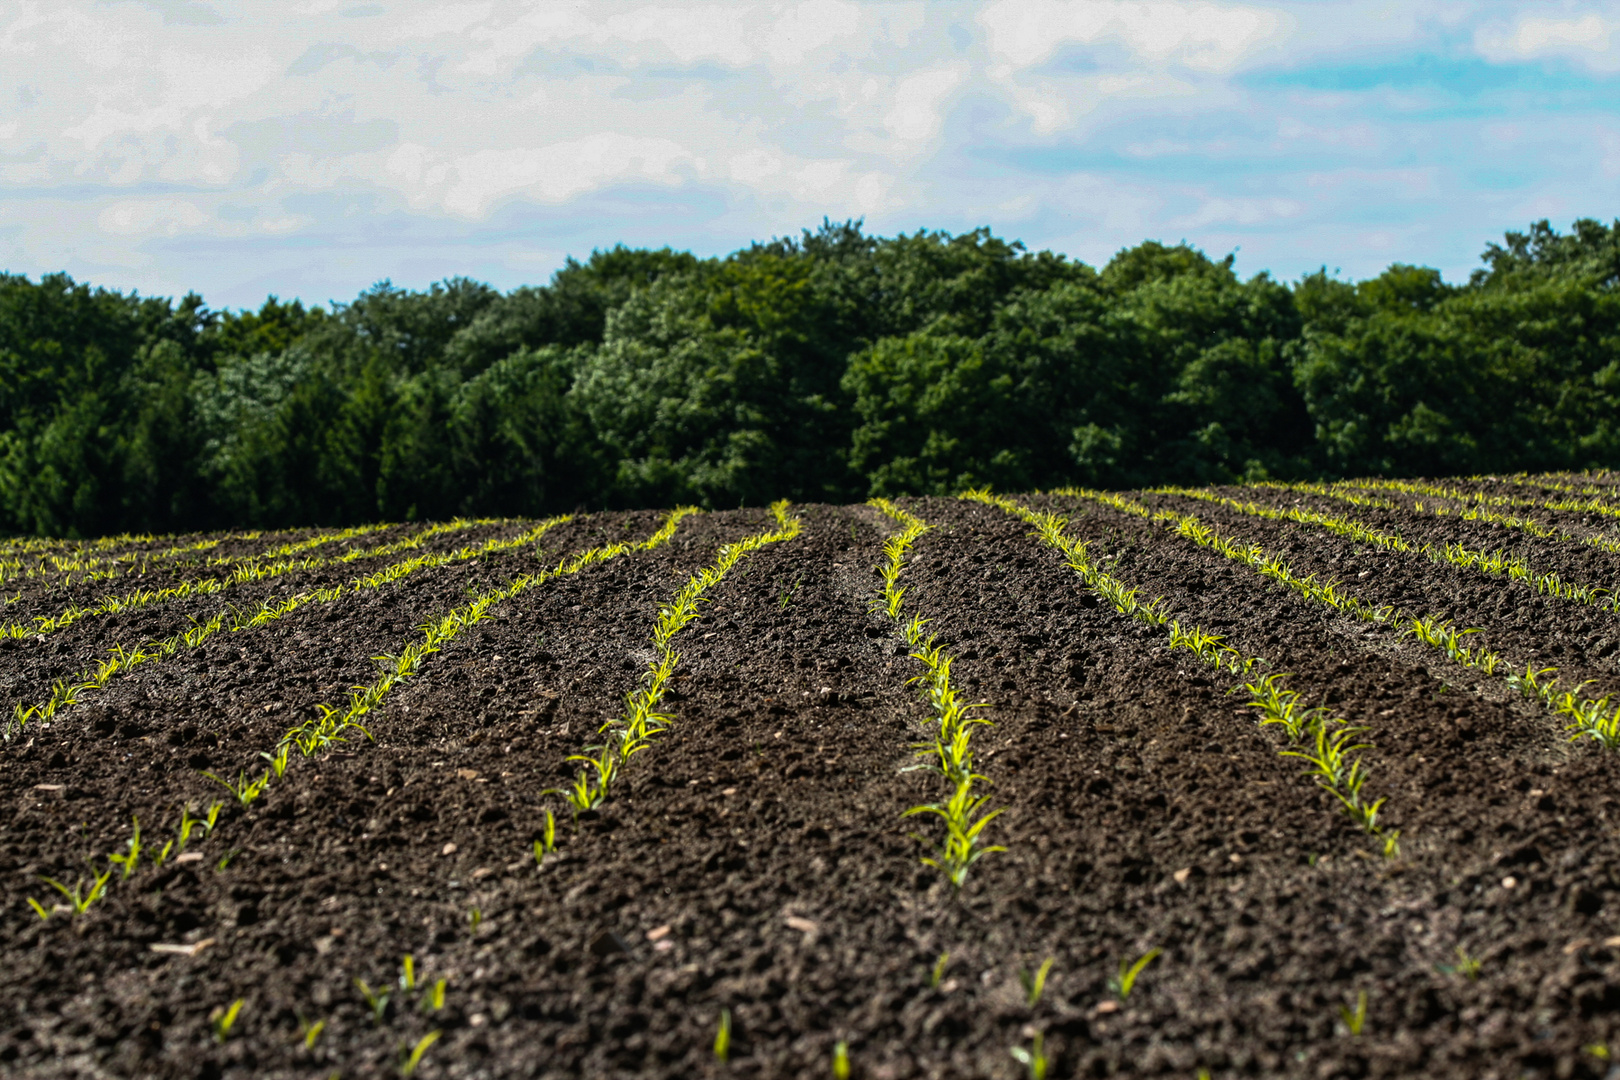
<point x="311" y="148"/>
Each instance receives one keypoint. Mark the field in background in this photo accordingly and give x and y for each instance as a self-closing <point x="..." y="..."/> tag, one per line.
<point x="1303" y="779"/>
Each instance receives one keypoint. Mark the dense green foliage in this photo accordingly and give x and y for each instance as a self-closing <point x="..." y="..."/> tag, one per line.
<point x="830" y="367"/>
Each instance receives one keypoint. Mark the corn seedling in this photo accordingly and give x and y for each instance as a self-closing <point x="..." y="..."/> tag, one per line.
<point x="407" y="972"/>
<point x="77" y="898"/>
<point x="244" y="789"/>
<point x="433" y="1001"/>
<point x="132" y="857"/>
<point x="411" y="1056"/>
<point x="39" y="909"/>
<point x="841" y="1060"/>
<point x="1355" y="1019"/>
<point x="1125" y="981"/>
<point x="1034" y="1059"/>
<point x="310" y="1033"/>
<point x="223" y="1019"/>
<point x="1466" y="966"/>
<point x="641" y="723"/>
<point x="475" y="919"/>
<point x="1530" y="684"/>
<point x="1034" y="985"/>
<point x="278" y="760"/>
<point x="548" y="839"/>
<point x="939" y="970"/>
<point x="376" y="1000"/>
<point x="722" y="1038"/>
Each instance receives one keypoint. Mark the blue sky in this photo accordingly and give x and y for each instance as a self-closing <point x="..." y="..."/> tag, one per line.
<point x="309" y="148"/>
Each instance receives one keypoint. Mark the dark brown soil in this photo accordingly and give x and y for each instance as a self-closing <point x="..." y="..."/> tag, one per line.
<point x="755" y="859"/>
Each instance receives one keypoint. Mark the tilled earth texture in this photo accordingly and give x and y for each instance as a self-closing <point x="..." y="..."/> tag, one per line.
<point x="749" y="900"/>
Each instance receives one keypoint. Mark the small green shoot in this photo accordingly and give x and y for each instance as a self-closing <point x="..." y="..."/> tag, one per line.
<point x="841" y="1060"/>
<point x="376" y="1000"/>
<point x="410" y="1058"/>
<point x="76" y="896"/>
<point x="163" y="855"/>
<point x="278" y="760"/>
<point x="311" y="1033"/>
<point x="722" y="1038"/>
<point x="1466" y="966"/>
<point x="475" y="919"/>
<point x="939" y="970"/>
<point x="225" y="860"/>
<point x="39" y="909"/>
<point x="1125" y="981"/>
<point x="1033" y="1059"/>
<point x="223" y="1019"/>
<point x="407" y="973"/>
<point x="1034" y="985"/>
<point x="548" y="839"/>
<point x="1598" y="1050"/>
<point x="1355" y="1019"/>
<point x="129" y="861"/>
<point x="244" y="789"/>
<point x="434" y="1000"/>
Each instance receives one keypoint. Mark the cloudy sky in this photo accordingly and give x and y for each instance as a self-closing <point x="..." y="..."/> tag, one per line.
<point x="312" y="147"/>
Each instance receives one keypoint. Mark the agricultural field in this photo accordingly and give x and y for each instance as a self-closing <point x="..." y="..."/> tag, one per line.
<point x="1310" y="780"/>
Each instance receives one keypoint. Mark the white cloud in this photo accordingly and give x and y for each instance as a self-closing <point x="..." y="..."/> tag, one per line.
<point x="917" y="112"/>
<point x="1200" y="36"/>
<point x="1588" y="38"/>
<point x="145" y="217"/>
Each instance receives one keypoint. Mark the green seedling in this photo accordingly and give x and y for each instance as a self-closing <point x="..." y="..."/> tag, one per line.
<point x="407" y="973"/>
<point x="244" y="789"/>
<point x="310" y="1033"/>
<point x="376" y="1000"/>
<point x="1123" y="983"/>
<point x="278" y="760"/>
<point x="787" y="593"/>
<point x="223" y="1019"/>
<point x="76" y="896"/>
<point x="939" y="970"/>
<point x="475" y="919"/>
<point x="1466" y="966"/>
<point x="841" y="1060"/>
<point x="548" y="839"/>
<point x="1598" y="1050"/>
<point x="1034" y="985"/>
<point x="39" y="909"/>
<point x="212" y="819"/>
<point x="722" y="1038"/>
<point x="960" y="849"/>
<point x="1355" y="1019"/>
<point x="411" y="1056"/>
<point x="1034" y="1059"/>
<point x="434" y="1000"/>
<point x="163" y="855"/>
<point x="133" y="858"/>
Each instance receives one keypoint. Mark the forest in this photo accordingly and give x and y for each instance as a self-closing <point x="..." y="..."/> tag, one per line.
<point x="830" y="367"/>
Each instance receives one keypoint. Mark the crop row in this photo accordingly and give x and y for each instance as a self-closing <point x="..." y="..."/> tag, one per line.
<point x="949" y="749"/>
<point x="633" y="732"/>
<point x="1492" y="563"/>
<point x="1328" y="744"/>
<point x="1347" y="492"/>
<point x="66" y="692"/>
<point x="252" y="569"/>
<point x="1595" y="718"/>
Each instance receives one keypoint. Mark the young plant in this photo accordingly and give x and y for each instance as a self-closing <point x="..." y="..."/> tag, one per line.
<point x="376" y="1000"/>
<point x="278" y="760"/>
<point x="939" y="970"/>
<point x="76" y="896"/>
<point x="1123" y="983"/>
<point x="1355" y="1019"/>
<point x="841" y="1060"/>
<point x="244" y="789"/>
<point x="310" y="1033"/>
<point x="39" y="909"/>
<point x="411" y="1056"/>
<point x="407" y="972"/>
<point x="548" y="839"/>
<point x="1034" y="985"/>
<point x="962" y="828"/>
<point x="433" y="1000"/>
<point x="1034" y="1059"/>
<point x="722" y="1038"/>
<point x="130" y="860"/>
<point x="475" y="919"/>
<point x="223" y="1019"/>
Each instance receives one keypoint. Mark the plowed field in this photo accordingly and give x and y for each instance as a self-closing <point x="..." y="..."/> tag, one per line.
<point x="1442" y="898"/>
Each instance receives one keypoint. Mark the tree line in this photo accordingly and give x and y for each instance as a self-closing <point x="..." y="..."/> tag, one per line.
<point x="827" y="367"/>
